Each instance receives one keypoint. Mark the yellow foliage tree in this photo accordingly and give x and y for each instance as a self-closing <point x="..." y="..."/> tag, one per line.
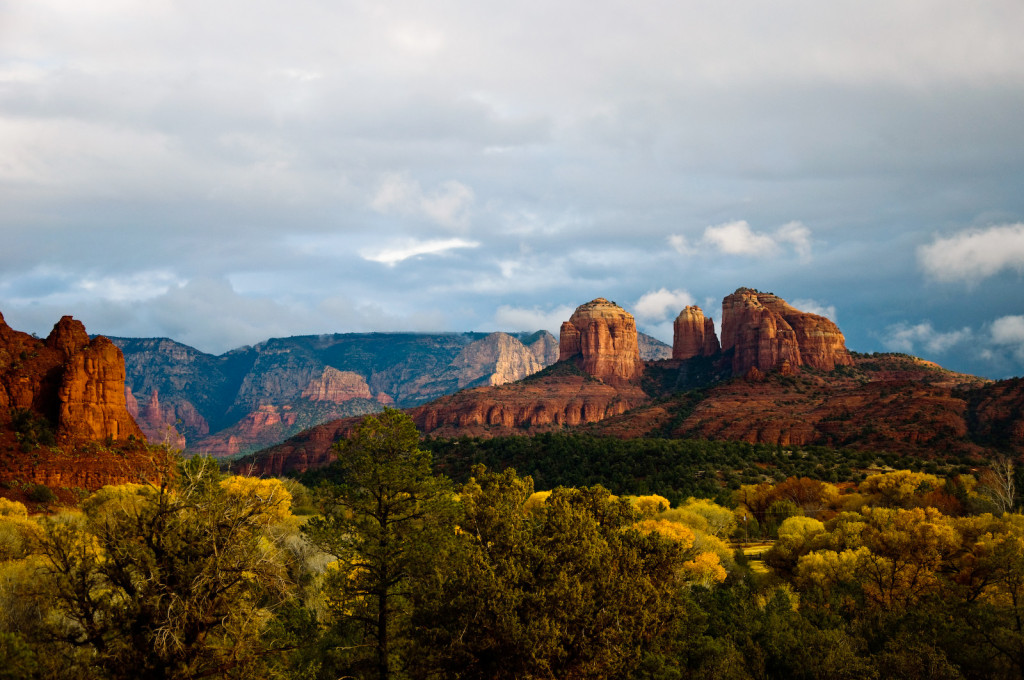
<point x="536" y="500"/>
<point x="649" y="506"/>
<point x="900" y="488"/>
<point x="271" y="494"/>
<point x="673" y="531"/>
<point x="719" y="521"/>
<point x="705" y="569"/>
<point x="9" y="508"/>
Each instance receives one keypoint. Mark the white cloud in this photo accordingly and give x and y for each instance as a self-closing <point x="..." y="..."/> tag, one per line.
<point x="815" y="307"/>
<point x="392" y="255"/>
<point x="531" y="319"/>
<point x="137" y="286"/>
<point x="904" y="337"/>
<point x="657" y="304"/>
<point x="681" y="245"/>
<point x="798" y="235"/>
<point x="448" y="204"/>
<point x="737" y="238"/>
<point x="974" y="254"/>
<point x="1008" y="330"/>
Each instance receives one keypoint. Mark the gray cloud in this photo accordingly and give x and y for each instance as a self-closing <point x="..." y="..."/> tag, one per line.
<point x="221" y="171"/>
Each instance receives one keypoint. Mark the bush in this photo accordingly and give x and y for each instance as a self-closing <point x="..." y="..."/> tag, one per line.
<point x="40" y="493"/>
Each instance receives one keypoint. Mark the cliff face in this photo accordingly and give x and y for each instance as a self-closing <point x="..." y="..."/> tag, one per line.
<point x="538" y="404"/>
<point x="766" y="333"/>
<point x="74" y="382"/>
<point x="694" y="335"/>
<point x="652" y="349"/>
<point x="505" y="357"/>
<point x="254" y="397"/>
<point x="64" y="419"/>
<point x="603" y="336"/>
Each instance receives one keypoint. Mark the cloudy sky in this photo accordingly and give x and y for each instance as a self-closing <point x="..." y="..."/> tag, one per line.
<point x="224" y="172"/>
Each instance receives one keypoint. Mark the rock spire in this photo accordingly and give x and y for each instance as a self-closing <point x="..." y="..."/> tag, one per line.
<point x="603" y="337"/>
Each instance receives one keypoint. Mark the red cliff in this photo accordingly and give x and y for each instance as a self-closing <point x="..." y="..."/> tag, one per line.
<point x="74" y="382"/>
<point x="603" y="337"/>
<point x="694" y="335"/>
<point x="765" y="333"/>
<point x="64" y="420"/>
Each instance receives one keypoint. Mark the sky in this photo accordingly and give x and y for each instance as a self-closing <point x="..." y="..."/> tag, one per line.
<point x="225" y="172"/>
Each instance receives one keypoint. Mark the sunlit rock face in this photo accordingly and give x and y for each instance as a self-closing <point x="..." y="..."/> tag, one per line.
<point x="603" y="336"/>
<point x="75" y="382"/>
<point x="693" y="335"/>
<point x="765" y="332"/>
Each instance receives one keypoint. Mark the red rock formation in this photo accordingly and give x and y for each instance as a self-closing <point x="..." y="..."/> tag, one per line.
<point x="76" y="386"/>
<point x="549" y="403"/>
<point x="535" y="405"/>
<point x="75" y="383"/>
<point x="91" y="396"/>
<point x="568" y="341"/>
<point x="157" y="421"/>
<point x="765" y="332"/>
<point x="694" y="335"/>
<point x="604" y="337"/>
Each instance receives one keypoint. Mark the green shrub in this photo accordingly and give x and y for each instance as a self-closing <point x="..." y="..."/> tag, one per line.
<point x="40" y="493"/>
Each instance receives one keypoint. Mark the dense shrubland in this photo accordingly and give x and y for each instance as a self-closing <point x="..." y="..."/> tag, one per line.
<point x="381" y="567"/>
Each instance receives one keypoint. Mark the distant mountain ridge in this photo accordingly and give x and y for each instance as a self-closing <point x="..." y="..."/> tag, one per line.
<point x="253" y="397"/>
<point x="779" y="376"/>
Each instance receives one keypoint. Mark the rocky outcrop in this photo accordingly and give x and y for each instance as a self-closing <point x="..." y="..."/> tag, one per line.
<point x="91" y="395"/>
<point x="539" y="404"/>
<point x="601" y="337"/>
<point x="336" y="386"/>
<point x="218" y="403"/>
<point x="75" y="383"/>
<point x="694" y="335"/>
<point x="499" y="357"/>
<point x="652" y="349"/>
<point x="64" y="418"/>
<point x="764" y="332"/>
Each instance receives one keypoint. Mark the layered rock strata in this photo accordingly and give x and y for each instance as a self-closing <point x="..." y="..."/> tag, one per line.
<point x="765" y="332"/>
<point x="694" y="335"/>
<point x="74" y="382"/>
<point x="602" y="338"/>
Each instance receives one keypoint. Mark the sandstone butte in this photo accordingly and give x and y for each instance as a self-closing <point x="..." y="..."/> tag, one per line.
<point x="601" y="337"/>
<point x="693" y="335"/>
<point x="76" y="386"/>
<point x="766" y="333"/>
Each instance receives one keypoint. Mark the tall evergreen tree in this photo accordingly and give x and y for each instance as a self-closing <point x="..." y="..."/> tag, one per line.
<point x="384" y="522"/>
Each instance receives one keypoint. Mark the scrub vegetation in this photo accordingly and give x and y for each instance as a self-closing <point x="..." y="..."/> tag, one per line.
<point x="381" y="566"/>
